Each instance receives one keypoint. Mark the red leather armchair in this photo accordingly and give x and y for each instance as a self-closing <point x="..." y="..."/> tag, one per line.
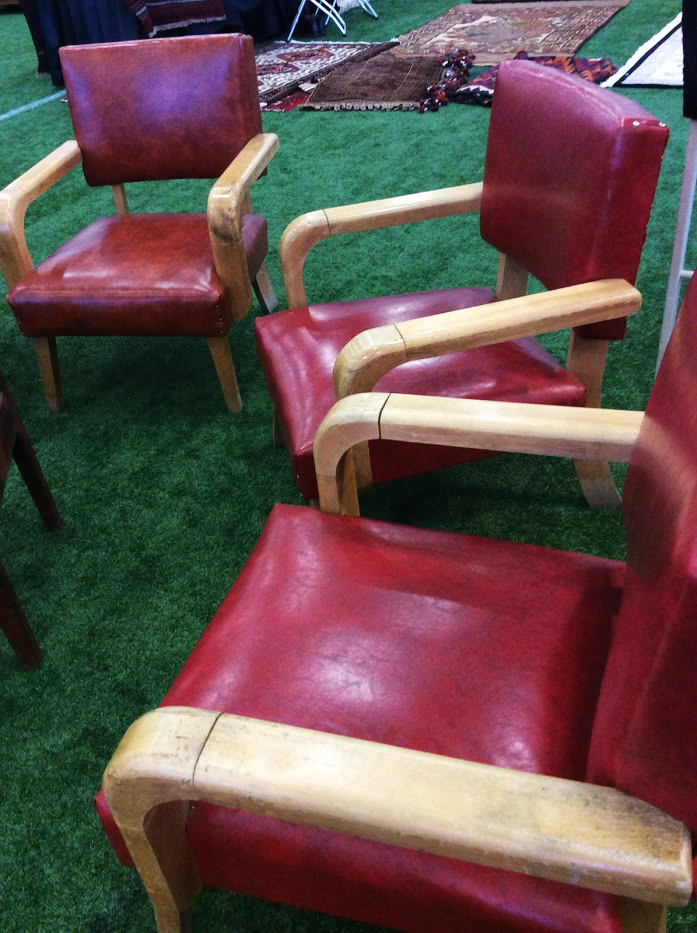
<point x="568" y="185"/>
<point x="15" y="445"/>
<point x="431" y="731"/>
<point x="143" y="111"/>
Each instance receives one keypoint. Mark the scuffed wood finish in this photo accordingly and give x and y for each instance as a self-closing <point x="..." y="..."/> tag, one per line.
<point x="47" y="358"/>
<point x="373" y="353"/>
<point x="225" y="368"/>
<point x="512" y="281"/>
<point x="228" y="202"/>
<point x="582" y="834"/>
<point x="586" y="361"/>
<point x="148" y="784"/>
<point x="263" y="289"/>
<point x="513" y="427"/>
<point x="306" y="231"/>
<point x="15" y="259"/>
<point x="120" y="200"/>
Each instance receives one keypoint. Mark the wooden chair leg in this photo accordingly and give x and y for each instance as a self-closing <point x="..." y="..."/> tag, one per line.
<point x="222" y="357"/>
<point x="597" y="484"/>
<point x="164" y="861"/>
<point x="263" y="289"/>
<point x="47" y="358"/>
<point x="15" y="625"/>
<point x="586" y="361"/>
<point x="33" y="476"/>
<point x="639" y="917"/>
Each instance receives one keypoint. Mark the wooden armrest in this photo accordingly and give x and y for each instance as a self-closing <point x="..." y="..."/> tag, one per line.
<point x="15" y="259"/>
<point x="511" y="427"/>
<point x="306" y="231"/>
<point x="228" y="202"/>
<point x="594" y="837"/>
<point x="373" y="353"/>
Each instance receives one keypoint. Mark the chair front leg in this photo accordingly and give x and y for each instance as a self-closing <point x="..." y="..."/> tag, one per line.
<point x="47" y="358"/>
<point x="222" y="357"/>
<point x="164" y="862"/>
<point x="640" y="917"/>
<point x="263" y="289"/>
<point x="586" y="361"/>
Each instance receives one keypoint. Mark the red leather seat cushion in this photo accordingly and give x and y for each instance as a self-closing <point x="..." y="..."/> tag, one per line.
<point x="298" y="349"/>
<point x="140" y="274"/>
<point x="476" y="648"/>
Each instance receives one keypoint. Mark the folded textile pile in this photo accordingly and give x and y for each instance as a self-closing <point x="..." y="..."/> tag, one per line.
<point x="480" y="89"/>
<point x="172" y="14"/>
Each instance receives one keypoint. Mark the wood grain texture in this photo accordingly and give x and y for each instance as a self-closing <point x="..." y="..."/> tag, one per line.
<point x="306" y="231"/>
<point x="15" y="259"/>
<point x="581" y="834"/>
<point x="228" y="201"/>
<point x="373" y="353"/>
<point x="586" y="361"/>
<point x="512" y="427"/>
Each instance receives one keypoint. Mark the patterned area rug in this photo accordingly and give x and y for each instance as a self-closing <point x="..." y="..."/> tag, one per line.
<point x="480" y="89"/>
<point x="658" y="63"/>
<point x="496" y="33"/>
<point x="283" y="66"/>
<point x="386" y="82"/>
<point x="171" y="14"/>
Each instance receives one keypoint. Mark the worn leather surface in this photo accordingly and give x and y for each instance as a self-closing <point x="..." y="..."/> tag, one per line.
<point x="569" y="179"/>
<point x="161" y="108"/>
<point x="298" y="349"/>
<point x="644" y="738"/>
<point x="427" y="640"/>
<point x="147" y="274"/>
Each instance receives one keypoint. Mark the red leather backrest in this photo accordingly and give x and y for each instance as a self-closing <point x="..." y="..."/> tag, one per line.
<point x="645" y="732"/>
<point x="161" y="108"/>
<point x="569" y="180"/>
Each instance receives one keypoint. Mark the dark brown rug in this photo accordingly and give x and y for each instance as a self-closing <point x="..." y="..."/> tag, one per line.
<point x="385" y="82"/>
<point x="495" y="33"/>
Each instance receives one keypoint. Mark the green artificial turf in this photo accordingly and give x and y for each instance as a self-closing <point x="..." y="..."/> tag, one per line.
<point x="163" y="493"/>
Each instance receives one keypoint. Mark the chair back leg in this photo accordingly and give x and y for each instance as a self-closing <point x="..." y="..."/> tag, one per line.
<point x="47" y="358"/>
<point x="263" y="289"/>
<point x="586" y="361"/>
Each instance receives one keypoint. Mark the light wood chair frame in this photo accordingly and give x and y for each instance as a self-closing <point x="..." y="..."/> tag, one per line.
<point x="228" y="202"/>
<point x="577" y="833"/>
<point x="586" y="357"/>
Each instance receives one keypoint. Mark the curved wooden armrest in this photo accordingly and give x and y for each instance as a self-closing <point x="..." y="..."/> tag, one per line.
<point x="306" y="231"/>
<point x="510" y="427"/>
<point x="15" y="259"/>
<point x="582" y="834"/>
<point x="228" y="202"/>
<point x="373" y="353"/>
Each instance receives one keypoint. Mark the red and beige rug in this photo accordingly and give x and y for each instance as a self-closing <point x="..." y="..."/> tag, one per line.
<point x="494" y="33"/>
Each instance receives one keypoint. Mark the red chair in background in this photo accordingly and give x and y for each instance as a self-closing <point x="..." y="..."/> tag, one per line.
<point x="569" y="181"/>
<point x="431" y="731"/>
<point x="14" y="444"/>
<point x="144" y="111"/>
